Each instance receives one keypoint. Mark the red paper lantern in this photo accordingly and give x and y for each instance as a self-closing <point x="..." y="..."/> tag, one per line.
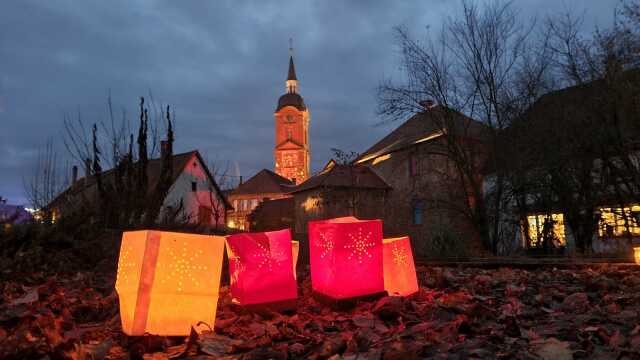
<point x="346" y="257"/>
<point x="168" y="282"/>
<point x="261" y="267"/>
<point x="399" y="269"/>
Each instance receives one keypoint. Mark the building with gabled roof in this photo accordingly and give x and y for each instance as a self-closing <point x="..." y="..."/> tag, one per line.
<point x="427" y="200"/>
<point x="265" y="185"/>
<point x="339" y="190"/>
<point x="194" y="196"/>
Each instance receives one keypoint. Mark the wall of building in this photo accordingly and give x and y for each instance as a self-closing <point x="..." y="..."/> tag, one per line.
<point x="243" y="205"/>
<point x="201" y="205"/>
<point x="430" y="184"/>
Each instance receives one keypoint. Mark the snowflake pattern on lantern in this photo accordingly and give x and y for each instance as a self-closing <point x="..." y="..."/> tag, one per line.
<point x="360" y="245"/>
<point x="124" y="267"/>
<point x="325" y="243"/>
<point x="182" y="266"/>
<point x="268" y="257"/>
<point x="400" y="256"/>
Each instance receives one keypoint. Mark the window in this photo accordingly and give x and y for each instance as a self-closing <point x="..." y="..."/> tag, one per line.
<point x="194" y="186"/>
<point x="418" y="212"/>
<point x="289" y="133"/>
<point x="413" y="165"/>
<point x="543" y="226"/>
<point x="619" y="222"/>
<point x="289" y="118"/>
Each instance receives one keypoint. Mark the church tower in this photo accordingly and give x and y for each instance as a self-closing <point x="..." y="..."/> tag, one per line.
<point x="291" y="153"/>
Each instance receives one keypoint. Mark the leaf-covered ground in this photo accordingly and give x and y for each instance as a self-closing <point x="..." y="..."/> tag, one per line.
<point x="460" y="313"/>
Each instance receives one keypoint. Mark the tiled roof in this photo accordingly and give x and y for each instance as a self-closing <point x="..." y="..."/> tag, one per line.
<point x="426" y="126"/>
<point x="347" y="176"/>
<point x="264" y="182"/>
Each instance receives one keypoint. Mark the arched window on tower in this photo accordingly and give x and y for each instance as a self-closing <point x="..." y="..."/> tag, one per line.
<point x="289" y="133"/>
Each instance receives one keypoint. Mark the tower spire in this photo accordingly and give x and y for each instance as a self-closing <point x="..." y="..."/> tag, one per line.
<point x="292" y="68"/>
<point x="292" y="80"/>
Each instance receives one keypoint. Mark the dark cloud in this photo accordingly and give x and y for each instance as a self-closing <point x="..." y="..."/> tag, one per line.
<point x="220" y="64"/>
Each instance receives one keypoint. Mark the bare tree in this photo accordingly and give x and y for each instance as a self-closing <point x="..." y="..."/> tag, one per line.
<point x="486" y="64"/>
<point x="46" y="180"/>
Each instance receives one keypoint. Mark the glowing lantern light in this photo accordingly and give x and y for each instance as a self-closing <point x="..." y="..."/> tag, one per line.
<point x="636" y="253"/>
<point x="168" y="282"/>
<point x="346" y="257"/>
<point x="295" y="250"/>
<point x="399" y="270"/>
<point x="261" y="267"/>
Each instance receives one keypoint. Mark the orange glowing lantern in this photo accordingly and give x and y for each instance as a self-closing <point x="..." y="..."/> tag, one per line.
<point x="346" y="257"/>
<point x="399" y="270"/>
<point x="636" y="254"/>
<point x="261" y="267"/>
<point x="168" y="282"/>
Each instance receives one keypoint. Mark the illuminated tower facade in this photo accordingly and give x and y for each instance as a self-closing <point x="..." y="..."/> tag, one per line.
<point x="291" y="153"/>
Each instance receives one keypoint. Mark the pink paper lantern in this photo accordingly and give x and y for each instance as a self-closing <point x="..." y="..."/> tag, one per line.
<point x="261" y="267"/>
<point x="346" y="257"/>
<point x="399" y="269"/>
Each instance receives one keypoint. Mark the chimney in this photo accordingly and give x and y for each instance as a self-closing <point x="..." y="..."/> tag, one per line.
<point x="164" y="149"/>
<point x="87" y="167"/>
<point x="74" y="174"/>
<point x="427" y="104"/>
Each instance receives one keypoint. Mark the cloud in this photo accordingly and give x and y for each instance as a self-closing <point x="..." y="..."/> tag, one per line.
<point x="221" y="65"/>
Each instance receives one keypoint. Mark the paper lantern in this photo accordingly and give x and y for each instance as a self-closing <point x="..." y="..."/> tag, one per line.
<point x="399" y="269"/>
<point x="168" y="282"/>
<point x="346" y="257"/>
<point x="636" y="254"/>
<point x="261" y="267"/>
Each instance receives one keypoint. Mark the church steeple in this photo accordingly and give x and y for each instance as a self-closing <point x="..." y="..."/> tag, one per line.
<point x="291" y="152"/>
<point x="292" y="81"/>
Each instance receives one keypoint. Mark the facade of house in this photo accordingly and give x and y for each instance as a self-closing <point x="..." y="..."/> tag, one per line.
<point x="576" y="155"/>
<point x="265" y="185"/>
<point x="193" y="197"/>
<point x="271" y="215"/>
<point x="427" y="200"/>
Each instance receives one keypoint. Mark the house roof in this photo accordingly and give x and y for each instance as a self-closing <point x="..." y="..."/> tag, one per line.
<point x="264" y="182"/>
<point x="154" y="170"/>
<point x="574" y="121"/>
<point x="423" y="127"/>
<point x="347" y="176"/>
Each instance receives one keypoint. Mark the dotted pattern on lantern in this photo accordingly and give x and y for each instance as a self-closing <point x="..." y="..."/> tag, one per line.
<point x="400" y="256"/>
<point x="359" y="245"/>
<point x="124" y="267"/>
<point x="183" y="266"/>
<point x="238" y="266"/>
<point x="268" y="257"/>
<point x="325" y="243"/>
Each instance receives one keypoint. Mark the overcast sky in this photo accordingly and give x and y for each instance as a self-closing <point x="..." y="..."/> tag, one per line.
<point x="220" y="64"/>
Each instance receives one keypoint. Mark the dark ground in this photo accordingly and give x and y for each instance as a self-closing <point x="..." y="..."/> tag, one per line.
<point x="459" y="313"/>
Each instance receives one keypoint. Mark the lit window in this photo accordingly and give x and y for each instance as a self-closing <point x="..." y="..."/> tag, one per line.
<point x="418" y="212"/>
<point x="619" y="222"/>
<point x="550" y="226"/>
